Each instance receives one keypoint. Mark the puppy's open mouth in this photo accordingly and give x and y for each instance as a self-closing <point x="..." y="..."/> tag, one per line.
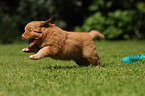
<point x="32" y="42"/>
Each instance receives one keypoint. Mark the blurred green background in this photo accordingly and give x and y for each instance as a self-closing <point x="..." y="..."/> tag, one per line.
<point x="116" y="19"/>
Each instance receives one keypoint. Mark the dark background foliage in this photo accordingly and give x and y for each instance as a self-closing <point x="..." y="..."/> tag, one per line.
<point x="123" y="19"/>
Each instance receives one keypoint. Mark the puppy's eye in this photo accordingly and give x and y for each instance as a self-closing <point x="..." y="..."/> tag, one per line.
<point x="30" y="30"/>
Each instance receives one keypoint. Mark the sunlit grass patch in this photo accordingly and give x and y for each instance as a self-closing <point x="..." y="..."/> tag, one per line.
<point x="20" y="75"/>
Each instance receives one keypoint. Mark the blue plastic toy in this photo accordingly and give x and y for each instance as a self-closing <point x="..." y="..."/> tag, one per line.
<point x="131" y="59"/>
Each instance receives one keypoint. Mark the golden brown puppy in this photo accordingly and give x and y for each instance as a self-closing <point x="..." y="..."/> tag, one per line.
<point x="46" y="39"/>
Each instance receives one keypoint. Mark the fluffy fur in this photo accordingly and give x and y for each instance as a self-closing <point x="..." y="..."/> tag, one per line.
<point x="48" y="40"/>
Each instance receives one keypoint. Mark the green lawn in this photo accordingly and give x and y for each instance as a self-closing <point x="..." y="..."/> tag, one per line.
<point x="20" y="76"/>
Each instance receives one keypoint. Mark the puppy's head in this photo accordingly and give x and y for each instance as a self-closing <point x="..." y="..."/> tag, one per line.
<point x="34" y="30"/>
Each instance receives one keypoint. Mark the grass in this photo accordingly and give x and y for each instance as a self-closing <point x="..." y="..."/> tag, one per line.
<point x="20" y="76"/>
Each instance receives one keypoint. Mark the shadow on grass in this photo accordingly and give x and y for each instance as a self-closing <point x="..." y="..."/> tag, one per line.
<point x="70" y="67"/>
<point x="60" y="67"/>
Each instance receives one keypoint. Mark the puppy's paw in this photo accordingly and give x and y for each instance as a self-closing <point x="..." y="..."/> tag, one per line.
<point x="33" y="57"/>
<point x="26" y="50"/>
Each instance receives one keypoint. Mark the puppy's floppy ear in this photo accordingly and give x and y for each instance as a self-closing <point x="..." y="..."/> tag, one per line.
<point x="46" y="23"/>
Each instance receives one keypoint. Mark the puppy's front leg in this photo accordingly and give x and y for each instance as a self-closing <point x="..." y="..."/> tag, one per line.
<point x="41" y="53"/>
<point x="34" y="49"/>
<point x="26" y="50"/>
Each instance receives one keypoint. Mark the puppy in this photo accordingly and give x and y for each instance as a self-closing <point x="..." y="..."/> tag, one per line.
<point x="48" y="40"/>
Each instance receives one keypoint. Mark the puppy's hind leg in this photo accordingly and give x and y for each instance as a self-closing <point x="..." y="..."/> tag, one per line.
<point x="92" y="56"/>
<point x="94" y="60"/>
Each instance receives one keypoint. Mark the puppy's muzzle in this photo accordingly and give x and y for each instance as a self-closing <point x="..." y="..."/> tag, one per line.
<point x="23" y="37"/>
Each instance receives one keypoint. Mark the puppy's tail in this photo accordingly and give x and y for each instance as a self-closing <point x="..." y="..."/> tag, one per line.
<point x="96" y="34"/>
